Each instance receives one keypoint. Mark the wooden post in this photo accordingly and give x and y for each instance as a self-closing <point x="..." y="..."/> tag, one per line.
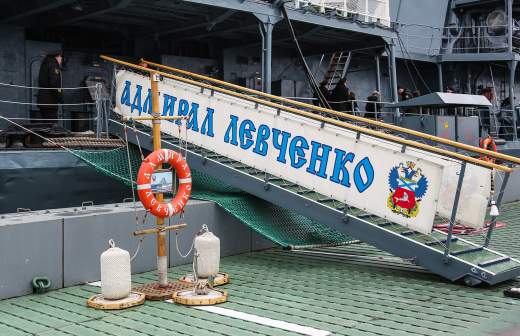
<point x="162" y="257"/>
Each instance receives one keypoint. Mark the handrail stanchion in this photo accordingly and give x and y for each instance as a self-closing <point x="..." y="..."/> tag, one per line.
<point x="99" y="114"/>
<point x="454" y="210"/>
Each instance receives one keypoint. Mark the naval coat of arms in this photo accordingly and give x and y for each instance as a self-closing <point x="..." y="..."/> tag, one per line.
<point x="408" y="186"/>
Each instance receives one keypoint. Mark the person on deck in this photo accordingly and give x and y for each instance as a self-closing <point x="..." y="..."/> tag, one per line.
<point x="325" y="93"/>
<point x="352" y="105"/>
<point x="372" y="107"/>
<point x="340" y="95"/>
<point x="49" y="80"/>
<point x="404" y="94"/>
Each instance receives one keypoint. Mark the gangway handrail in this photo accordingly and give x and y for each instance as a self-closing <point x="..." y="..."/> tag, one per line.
<point x="400" y="129"/>
<point x="335" y="122"/>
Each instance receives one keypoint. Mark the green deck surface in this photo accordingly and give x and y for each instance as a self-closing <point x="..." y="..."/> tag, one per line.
<point x="350" y="290"/>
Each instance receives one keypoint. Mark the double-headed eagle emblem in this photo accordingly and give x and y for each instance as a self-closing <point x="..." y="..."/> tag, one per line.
<point x="408" y="186"/>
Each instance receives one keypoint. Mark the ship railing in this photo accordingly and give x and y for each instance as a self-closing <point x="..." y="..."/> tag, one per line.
<point x="98" y="104"/>
<point x="455" y="39"/>
<point x="356" y="107"/>
<point x="369" y="11"/>
<point x="497" y="123"/>
<point x="500" y="123"/>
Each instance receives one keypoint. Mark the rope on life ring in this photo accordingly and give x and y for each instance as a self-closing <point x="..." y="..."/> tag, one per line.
<point x="144" y="179"/>
<point x="488" y="144"/>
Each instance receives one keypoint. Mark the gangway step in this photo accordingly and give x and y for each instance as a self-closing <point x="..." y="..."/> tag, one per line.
<point x="215" y="156"/>
<point x="493" y="261"/>
<point x="471" y="250"/>
<point x="326" y="200"/>
<point x="442" y="241"/>
<point x="305" y="192"/>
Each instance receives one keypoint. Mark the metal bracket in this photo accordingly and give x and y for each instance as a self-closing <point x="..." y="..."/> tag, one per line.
<point x="160" y="229"/>
<point x="86" y="203"/>
<point x="346" y="217"/>
<point x="19" y="210"/>
<point x="266" y="182"/>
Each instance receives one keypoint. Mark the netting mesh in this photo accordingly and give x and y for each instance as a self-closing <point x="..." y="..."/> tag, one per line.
<point x="282" y="226"/>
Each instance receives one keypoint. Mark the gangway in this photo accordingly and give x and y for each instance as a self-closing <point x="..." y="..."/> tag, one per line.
<point x="447" y="255"/>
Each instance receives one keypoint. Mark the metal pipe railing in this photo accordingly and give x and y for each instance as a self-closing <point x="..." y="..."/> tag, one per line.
<point x="342" y="124"/>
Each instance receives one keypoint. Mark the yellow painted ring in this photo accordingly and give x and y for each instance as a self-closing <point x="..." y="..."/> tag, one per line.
<point x="199" y="300"/>
<point x="99" y="302"/>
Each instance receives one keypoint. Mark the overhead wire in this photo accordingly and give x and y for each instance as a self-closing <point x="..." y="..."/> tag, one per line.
<point x="405" y="50"/>
<point x="307" y="70"/>
<point x="59" y="104"/>
<point x="47" y="88"/>
<point x="408" y="68"/>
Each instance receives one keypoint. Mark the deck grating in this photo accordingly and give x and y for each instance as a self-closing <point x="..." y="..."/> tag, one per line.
<point x="349" y="290"/>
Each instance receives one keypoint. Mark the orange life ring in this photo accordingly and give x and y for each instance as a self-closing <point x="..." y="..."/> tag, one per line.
<point x="488" y="144"/>
<point x="144" y="179"/>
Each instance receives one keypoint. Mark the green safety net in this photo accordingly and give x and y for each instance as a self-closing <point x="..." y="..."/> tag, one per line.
<point x="282" y="226"/>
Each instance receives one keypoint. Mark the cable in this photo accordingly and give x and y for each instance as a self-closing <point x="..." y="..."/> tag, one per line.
<point x="403" y="47"/>
<point x="138" y="142"/>
<point x="47" y="88"/>
<point x="177" y="246"/>
<point x="22" y="103"/>
<point x="43" y="119"/>
<point x="308" y="73"/>
<point x="408" y="68"/>
<point x="131" y="175"/>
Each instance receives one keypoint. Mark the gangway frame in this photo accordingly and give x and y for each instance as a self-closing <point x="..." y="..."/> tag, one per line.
<point x="483" y="265"/>
<point x="258" y="184"/>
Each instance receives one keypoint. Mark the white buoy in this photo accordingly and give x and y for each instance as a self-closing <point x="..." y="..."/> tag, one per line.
<point x="207" y="255"/>
<point x="116" y="281"/>
<point x="206" y="263"/>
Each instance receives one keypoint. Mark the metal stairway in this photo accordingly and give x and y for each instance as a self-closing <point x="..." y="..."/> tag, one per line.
<point x="448" y="256"/>
<point x="466" y="261"/>
<point x="338" y="66"/>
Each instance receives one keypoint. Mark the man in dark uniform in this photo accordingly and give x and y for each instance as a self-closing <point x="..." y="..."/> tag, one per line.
<point x="49" y="80"/>
<point x="340" y="95"/>
<point x="324" y="91"/>
<point x="372" y="107"/>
